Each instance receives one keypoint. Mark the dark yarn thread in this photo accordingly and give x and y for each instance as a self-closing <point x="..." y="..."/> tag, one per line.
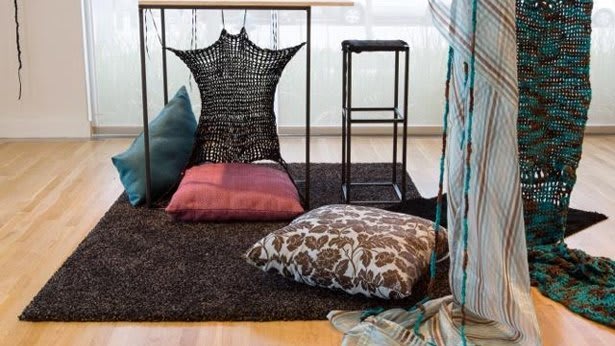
<point x="146" y="43"/>
<point x="156" y="31"/>
<point x="274" y="30"/>
<point x="193" y="41"/>
<point x="193" y="36"/>
<point x="155" y="27"/>
<point x="18" y="43"/>
<point x="440" y="199"/>
<point x="371" y="312"/>
<point x="245" y="16"/>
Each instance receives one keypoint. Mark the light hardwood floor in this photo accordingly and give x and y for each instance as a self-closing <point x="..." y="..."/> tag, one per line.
<point x="53" y="192"/>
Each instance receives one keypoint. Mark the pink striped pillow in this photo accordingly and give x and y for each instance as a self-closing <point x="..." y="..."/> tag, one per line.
<point x="235" y="192"/>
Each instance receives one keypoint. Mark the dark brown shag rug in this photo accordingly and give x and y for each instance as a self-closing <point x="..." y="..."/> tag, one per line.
<point x="137" y="265"/>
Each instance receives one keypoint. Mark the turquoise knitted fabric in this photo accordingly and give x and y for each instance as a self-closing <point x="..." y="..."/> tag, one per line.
<point x="554" y="39"/>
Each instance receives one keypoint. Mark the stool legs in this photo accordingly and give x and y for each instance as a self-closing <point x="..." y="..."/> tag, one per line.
<point x="395" y="105"/>
<point x="344" y="105"/>
<point x="349" y="129"/>
<point x="404" y="158"/>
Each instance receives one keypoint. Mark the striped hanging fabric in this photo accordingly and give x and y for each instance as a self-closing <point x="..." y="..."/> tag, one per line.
<point x="491" y="302"/>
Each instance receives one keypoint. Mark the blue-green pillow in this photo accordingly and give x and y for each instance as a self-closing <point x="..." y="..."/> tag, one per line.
<point x="171" y="138"/>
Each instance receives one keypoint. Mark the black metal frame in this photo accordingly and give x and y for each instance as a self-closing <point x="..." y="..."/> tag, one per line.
<point x="397" y="118"/>
<point x="162" y="8"/>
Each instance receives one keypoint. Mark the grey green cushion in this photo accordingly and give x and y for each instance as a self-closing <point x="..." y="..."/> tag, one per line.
<point x="171" y="136"/>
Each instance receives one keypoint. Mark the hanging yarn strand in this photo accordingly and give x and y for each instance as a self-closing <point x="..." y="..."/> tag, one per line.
<point x="18" y="44"/>
<point x="438" y="221"/>
<point x="468" y="172"/>
<point x="194" y="29"/>
<point x="193" y="40"/>
<point x="274" y="30"/>
<point x="156" y="31"/>
<point x="145" y="40"/>
<point x="155" y="26"/>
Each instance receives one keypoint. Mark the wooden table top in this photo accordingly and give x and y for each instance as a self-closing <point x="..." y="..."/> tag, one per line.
<point x="243" y="3"/>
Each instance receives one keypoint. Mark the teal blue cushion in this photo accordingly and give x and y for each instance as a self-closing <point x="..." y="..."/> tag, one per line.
<point x="171" y="138"/>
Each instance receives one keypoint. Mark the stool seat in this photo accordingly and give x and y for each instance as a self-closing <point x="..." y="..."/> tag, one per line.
<point x="358" y="46"/>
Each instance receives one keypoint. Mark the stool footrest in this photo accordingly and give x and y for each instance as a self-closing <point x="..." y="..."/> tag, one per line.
<point x="371" y="109"/>
<point x="376" y="121"/>
<point x="395" y="186"/>
<point x="397" y="117"/>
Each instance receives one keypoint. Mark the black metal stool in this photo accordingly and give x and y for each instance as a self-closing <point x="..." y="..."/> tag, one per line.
<point x="359" y="46"/>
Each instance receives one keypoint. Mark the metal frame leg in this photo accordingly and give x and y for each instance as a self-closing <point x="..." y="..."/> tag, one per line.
<point x="308" y="91"/>
<point x="405" y="131"/>
<point x="395" y="124"/>
<point x="165" y="89"/>
<point x="148" y="177"/>
<point x="344" y="107"/>
<point x="148" y="183"/>
<point x="349" y="130"/>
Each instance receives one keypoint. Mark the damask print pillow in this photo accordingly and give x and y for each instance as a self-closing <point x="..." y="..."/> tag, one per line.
<point x="357" y="249"/>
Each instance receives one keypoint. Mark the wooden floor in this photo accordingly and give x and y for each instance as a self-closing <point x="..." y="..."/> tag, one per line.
<point x="52" y="193"/>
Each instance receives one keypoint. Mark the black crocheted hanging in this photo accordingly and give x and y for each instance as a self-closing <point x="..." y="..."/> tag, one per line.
<point x="237" y="81"/>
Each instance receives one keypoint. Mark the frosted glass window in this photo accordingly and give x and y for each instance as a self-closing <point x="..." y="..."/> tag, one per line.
<point x="116" y="71"/>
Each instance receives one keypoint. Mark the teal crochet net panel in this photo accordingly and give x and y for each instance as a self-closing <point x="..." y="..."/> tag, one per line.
<point x="554" y="38"/>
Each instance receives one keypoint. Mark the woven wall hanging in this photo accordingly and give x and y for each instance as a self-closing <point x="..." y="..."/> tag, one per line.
<point x="237" y="81"/>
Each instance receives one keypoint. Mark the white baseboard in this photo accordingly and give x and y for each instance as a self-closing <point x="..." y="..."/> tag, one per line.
<point x="131" y="131"/>
<point x="426" y="130"/>
<point x="116" y="131"/>
<point x="32" y="127"/>
<point x="370" y="130"/>
<point x="600" y="130"/>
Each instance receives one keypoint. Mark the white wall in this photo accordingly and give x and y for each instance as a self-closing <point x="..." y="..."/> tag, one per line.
<point x="54" y="99"/>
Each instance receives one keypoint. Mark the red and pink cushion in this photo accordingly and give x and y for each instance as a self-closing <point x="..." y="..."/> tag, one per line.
<point x="235" y="192"/>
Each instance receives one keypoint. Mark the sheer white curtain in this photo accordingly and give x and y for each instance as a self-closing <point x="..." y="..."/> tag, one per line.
<point x="116" y="73"/>
<point x="602" y="109"/>
<point x="114" y="57"/>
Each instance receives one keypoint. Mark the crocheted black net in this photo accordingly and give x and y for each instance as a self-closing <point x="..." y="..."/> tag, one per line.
<point x="237" y="82"/>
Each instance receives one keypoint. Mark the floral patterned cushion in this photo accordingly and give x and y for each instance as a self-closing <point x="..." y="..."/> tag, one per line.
<point x="357" y="249"/>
